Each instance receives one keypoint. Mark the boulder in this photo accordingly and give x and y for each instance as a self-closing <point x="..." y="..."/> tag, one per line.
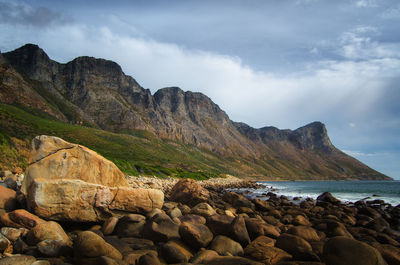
<point x="204" y="256"/>
<point x="193" y="218"/>
<point x="292" y="244"/>
<point x="148" y="259"/>
<point x="188" y="191"/>
<point x="109" y="225"/>
<point x="48" y="231"/>
<point x="20" y="219"/>
<point x="266" y="254"/>
<point x="53" y="158"/>
<point x="301" y="220"/>
<point x="90" y="245"/>
<point x="161" y="231"/>
<point x="327" y="197"/>
<point x="239" y="231"/>
<point x="53" y="248"/>
<point x="390" y="253"/>
<point x="138" y="243"/>
<point x="79" y="201"/>
<point x="232" y="261"/>
<point x="305" y="232"/>
<point x="175" y="252"/>
<point x="346" y="251"/>
<point x="203" y="209"/>
<point x="8" y="199"/>
<point x="237" y="200"/>
<point x="195" y="235"/>
<point x="225" y="246"/>
<point x="130" y="225"/>
<point x="220" y="224"/>
<point x="18" y="260"/>
<point x="13" y="233"/>
<point x="4" y="243"/>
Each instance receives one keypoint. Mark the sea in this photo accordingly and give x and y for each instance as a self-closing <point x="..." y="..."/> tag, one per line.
<point x="346" y="191"/>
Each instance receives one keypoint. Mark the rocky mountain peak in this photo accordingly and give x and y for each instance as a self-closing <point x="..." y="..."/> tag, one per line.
<point x="96" y="92"/>
<point x="313" y="136"/>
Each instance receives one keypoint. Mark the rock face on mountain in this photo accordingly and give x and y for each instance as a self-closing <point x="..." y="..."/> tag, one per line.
<point x="97" y="93"/>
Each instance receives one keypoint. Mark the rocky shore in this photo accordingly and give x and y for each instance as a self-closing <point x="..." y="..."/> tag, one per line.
<point x="149" y="221"/>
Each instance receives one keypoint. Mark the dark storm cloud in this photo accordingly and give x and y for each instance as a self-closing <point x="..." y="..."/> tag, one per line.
<point x="17" y="13"/>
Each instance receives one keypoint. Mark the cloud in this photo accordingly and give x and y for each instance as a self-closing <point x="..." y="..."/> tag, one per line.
<point x="366" y="3"/>
<point x="23" y="14"/>
<point x="360" y="154"/>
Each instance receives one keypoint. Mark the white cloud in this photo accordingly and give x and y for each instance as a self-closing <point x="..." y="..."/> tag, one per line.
<point x="359" y="43"/>
<point x="366" y="3"/>
<point x="361" y="154"/>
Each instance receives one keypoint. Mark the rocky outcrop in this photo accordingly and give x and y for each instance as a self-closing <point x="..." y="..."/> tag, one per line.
<point x="79" y="201"/>
<point x="54" y="158"/>
<point x="96" y="92"/>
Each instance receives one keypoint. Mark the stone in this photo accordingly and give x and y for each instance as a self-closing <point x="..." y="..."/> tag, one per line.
<point x="266" y="254"/>
<point x="79" y="201"/>
<point x="346" y="251"/>
<point x="389" y="253"/>
<point x="53" y="248"/>
<point x="335" y="228"/>
<point x="292" y="244"/>
<point x="175" y="213"/>
<point x="175" y="252"/>
<point x="48" y="230"/>
<point x="41" y="262"/>
<point x="138" y="243"/>
<point x="161" y="231"/>
<point x="188" y="191"/>
<point x="134" y="256"/>
<point x="119" y="244"/>
<point x="130" y="225"/>
<point x="257" y="227"/>
<point x="301" y="220"/>
<point x="232" y="261"/>
<point x="103" y="260"/>
<point x="8" y="199"/>
<point x="327" y="197"/>
<point x="11" y="233"/>
<point x="195" y="235"/>
<point x="109" y="225"/>
<point x="239" y="231"/>
<point x="11" y="182"/>
<point x="148" y="259"/>
<point x="23" y="218"/>
<point x="4" y="243"/>
<point x="88" y="244"/>
<point x="204" y="256"/>
<point x="220" y="224"/>
<point x="53" y="158"/>
<point x="203" y="209"/>
<point x="305" y="232"/>
<point x="18" y="260"/>
<point x="225" y="246"/>
<point x="193" y="218"/>
<point x="237" y="200"/>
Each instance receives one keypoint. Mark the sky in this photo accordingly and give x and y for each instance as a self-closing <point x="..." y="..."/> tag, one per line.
<point x="282" y="63"/>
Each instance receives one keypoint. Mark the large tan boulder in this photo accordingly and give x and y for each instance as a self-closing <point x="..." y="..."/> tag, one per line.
<point x="347" y="251"/>
<point x="188" y="191"/>
<point x="79" y="201"/>
<point x="53" y="158"/>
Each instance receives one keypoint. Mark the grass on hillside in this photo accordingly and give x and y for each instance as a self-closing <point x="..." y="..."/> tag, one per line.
<point x="135" y="152"/>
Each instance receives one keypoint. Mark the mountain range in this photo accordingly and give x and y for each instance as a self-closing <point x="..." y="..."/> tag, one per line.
<point x="96" y="96"/>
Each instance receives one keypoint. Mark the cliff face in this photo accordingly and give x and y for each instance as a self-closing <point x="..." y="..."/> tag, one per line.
<point x="96" y="92"/>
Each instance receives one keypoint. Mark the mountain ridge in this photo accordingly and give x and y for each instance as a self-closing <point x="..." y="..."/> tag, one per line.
<point x="97" y="93"/>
